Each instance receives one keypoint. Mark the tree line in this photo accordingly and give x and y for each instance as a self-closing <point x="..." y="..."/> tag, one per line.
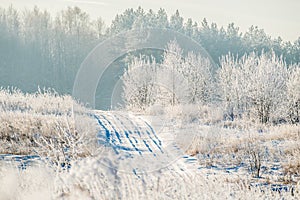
<point x="39" y="49"/>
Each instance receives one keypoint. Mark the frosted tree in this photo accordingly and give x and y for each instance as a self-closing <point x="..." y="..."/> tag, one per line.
<point x="254" y="85"/>
<point x="267" y="90"/>
<point x="178" y="79"/>
<point x="293" y="94"/>
<point x="172" y="86"/>
<point x="138" y="83"/>
<point x="197" y="71"/>
<point x="146" y="82"/>
<point x="229" y="89"/>
<point x="171" y="71"/>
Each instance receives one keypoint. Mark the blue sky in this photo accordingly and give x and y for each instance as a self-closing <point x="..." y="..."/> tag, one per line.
<point x="277" y="17"/>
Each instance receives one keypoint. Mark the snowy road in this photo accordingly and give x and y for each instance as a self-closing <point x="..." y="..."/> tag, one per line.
<point x="127" y="133"/>
<point x="138" y="146"/>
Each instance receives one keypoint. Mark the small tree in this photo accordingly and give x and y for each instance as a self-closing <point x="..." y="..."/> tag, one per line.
<point x="229" y="87"/>
<point x="138" y="80"/>
<point x="172" y="86"/>
<point x="293" y="94"/>
<point x="197" y="71"/>
<point x="172" y="65"/>
<point x="267" y="86"/>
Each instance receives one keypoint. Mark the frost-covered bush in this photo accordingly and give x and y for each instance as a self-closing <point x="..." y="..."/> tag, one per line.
<point x="44" y="124"/>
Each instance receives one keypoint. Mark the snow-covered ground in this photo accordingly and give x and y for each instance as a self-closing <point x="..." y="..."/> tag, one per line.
<point x="145" y="157"/>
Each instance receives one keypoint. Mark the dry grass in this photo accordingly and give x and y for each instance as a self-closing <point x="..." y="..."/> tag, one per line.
<point x="260" y="148"/>
<point x="43" y="123"/>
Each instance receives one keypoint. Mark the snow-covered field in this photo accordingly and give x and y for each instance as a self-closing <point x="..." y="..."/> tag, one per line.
<point x="136" y="162"/>
<point x="52" y="154"/>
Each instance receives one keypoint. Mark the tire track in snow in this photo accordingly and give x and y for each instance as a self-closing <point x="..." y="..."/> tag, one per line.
<point x="113" y="127"/>
<point x="157" y="144"/>
<point x="128" y="134"/>
<point x="138" y="129"/>
<point x="109" y="136"/>
<point x="107" y="132"/>
<point x="152" y="130"/>
<point x="109" y="140"/>
<point x="135" y="132"/>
